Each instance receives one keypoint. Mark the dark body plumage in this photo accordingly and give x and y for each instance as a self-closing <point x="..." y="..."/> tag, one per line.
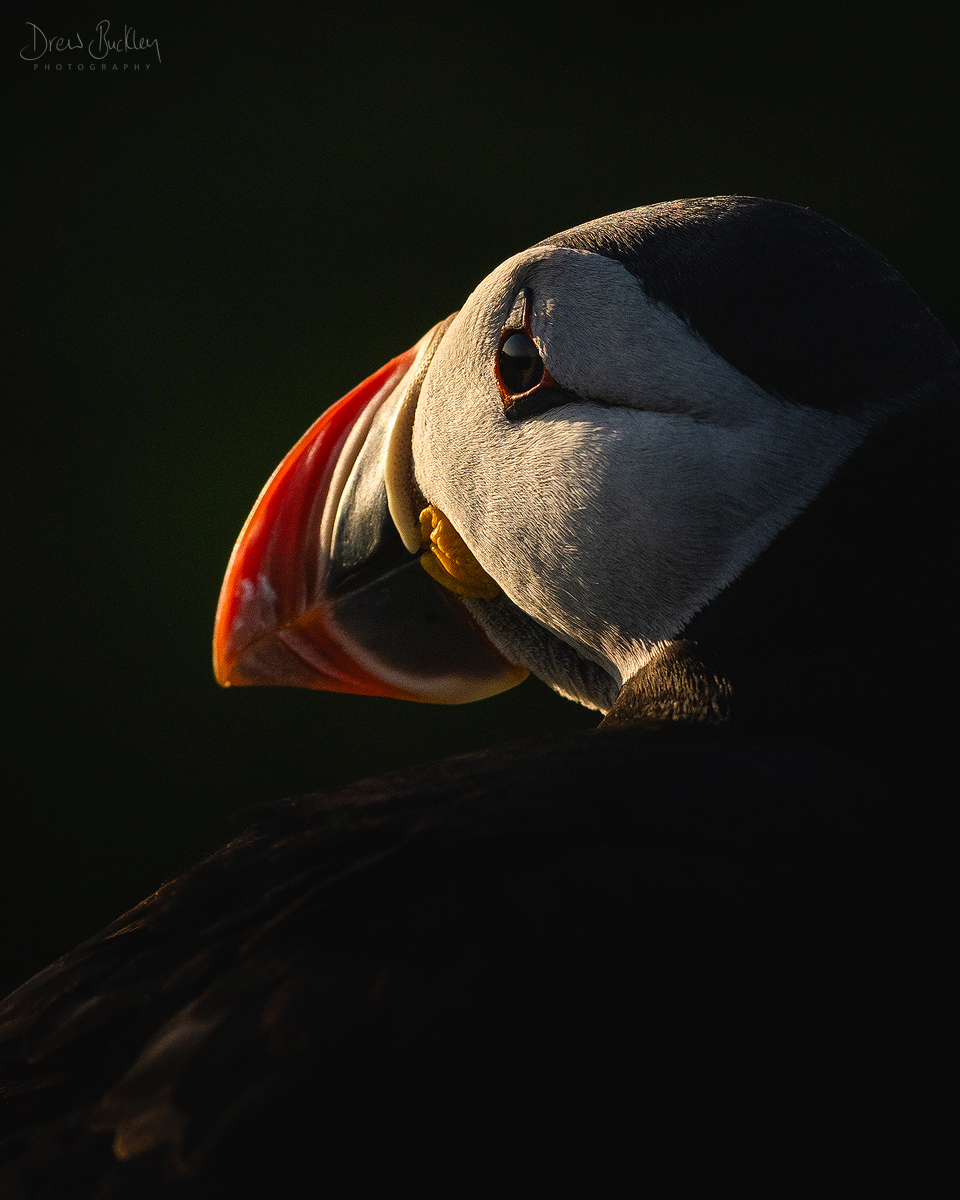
<point x="431" y="974"/>
<point x="703" y="943"/>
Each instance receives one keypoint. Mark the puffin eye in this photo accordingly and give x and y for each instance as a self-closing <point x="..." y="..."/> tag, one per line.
<point x="519" y="364"/>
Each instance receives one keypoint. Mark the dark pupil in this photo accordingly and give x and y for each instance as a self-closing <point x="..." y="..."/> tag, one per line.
<point x="521" y="366"/>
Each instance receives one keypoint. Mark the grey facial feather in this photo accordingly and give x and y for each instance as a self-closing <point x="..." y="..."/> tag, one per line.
<point x="612" y="523"/>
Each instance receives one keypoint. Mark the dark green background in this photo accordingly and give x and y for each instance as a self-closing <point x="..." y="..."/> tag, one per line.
<point x="212" y="252"/>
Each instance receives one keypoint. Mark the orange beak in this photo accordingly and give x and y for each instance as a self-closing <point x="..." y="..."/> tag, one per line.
<point x="321" y="591"/>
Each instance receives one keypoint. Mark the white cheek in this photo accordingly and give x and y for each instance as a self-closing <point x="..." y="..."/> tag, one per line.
<point x="614" y="535"/>
<point x="540" y="505"/>
<point x="613" y="526"/>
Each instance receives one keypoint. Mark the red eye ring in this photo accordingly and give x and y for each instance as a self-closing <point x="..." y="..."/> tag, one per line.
<point x="538" y="382"/>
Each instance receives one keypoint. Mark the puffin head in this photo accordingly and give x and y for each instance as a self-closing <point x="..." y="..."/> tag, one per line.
<point x="562" y="477"/>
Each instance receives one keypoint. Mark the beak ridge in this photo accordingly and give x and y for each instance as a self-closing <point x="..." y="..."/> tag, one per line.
<point x="295" y="612"/>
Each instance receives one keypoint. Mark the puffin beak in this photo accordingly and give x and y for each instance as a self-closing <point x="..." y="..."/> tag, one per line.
<point x="325" y="587"/>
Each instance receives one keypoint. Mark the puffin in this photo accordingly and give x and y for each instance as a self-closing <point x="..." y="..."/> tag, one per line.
<point x="693" y="466"/>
